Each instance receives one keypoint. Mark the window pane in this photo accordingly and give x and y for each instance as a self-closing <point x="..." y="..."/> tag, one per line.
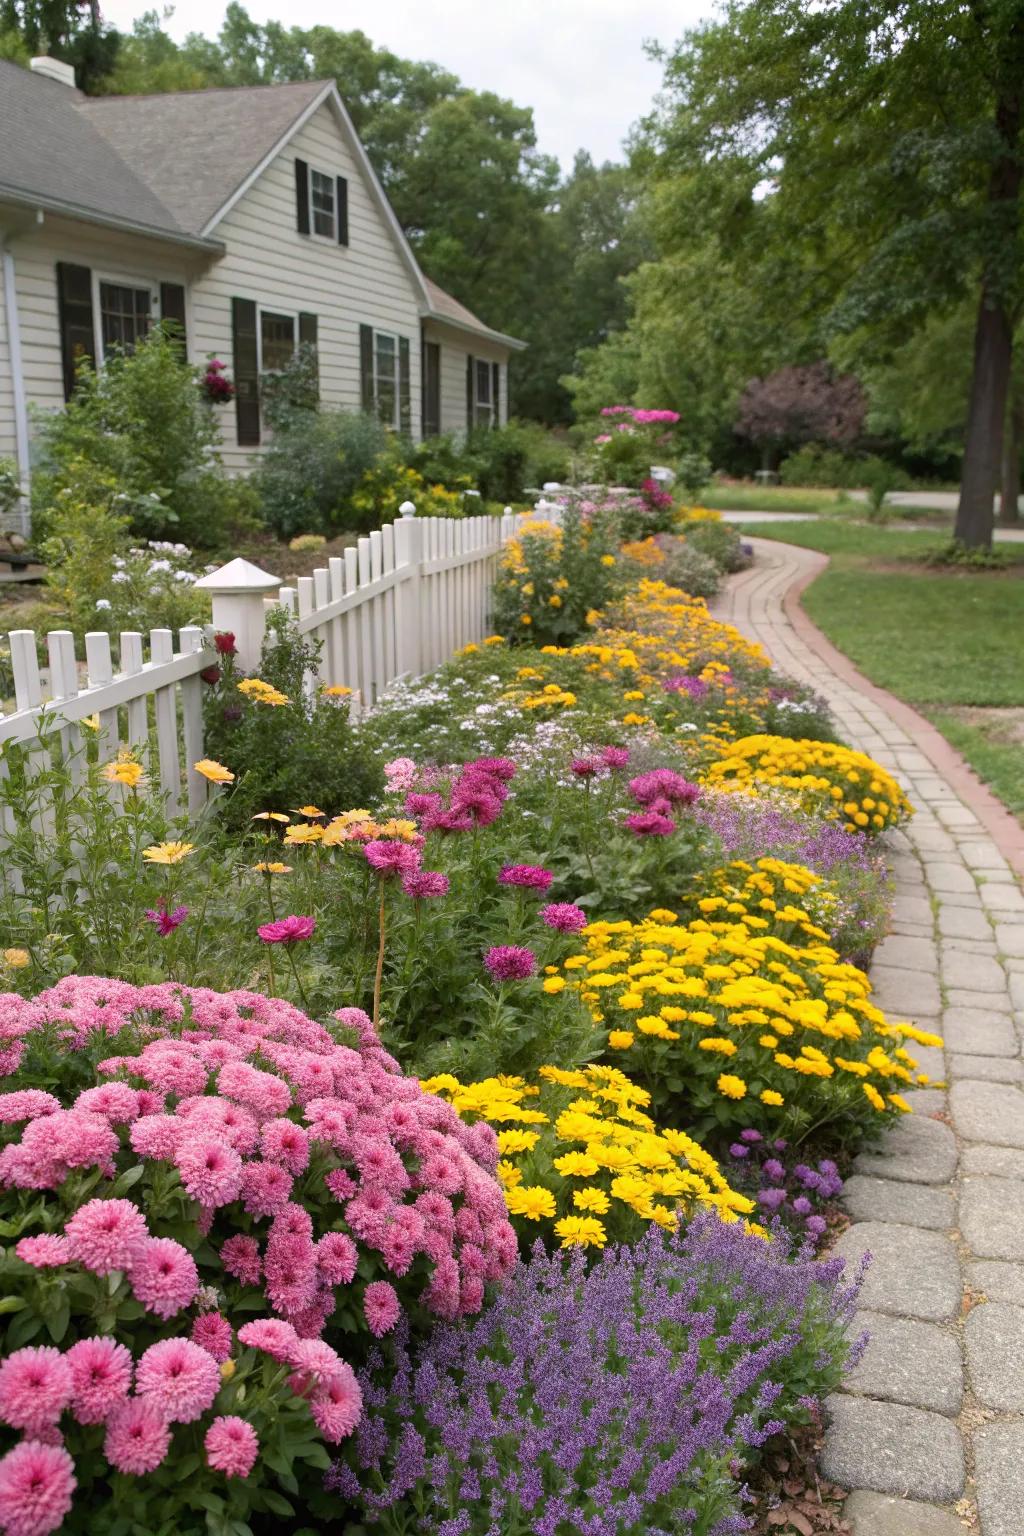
<point x="386" y="377"/>
<point x="124" y="316"/>
<point x="483" y="383"/>
<point x="277" y="333"/>
<point x="322" y="203"/>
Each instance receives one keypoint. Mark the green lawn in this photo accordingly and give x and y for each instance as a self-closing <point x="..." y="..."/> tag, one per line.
<point x="946" y="641"/>
<point x="771" y="498"/>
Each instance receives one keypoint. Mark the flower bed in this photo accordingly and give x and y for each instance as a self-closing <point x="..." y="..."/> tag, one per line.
<point x="590" y="906"/>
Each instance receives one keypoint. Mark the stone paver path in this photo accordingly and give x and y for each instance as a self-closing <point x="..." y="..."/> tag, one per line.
<point x="929" y="1429"/>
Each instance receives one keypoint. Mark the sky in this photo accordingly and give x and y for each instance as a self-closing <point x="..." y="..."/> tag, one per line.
<point x="580" y="64"/>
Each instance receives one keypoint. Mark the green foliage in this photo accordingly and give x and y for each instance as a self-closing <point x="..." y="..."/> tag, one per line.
<point x="553" y="577"/>
<point x="283" y="755"/>
<point x="719" y="541"/>
<point x="313" y="466"/>
<point x="693" y="473"/>
<point x="290" y="393"/>
<point x="506" y="460"/>
<point x="815" y="465"/>
<point x="391" y="482"/>
<point x="10" y="487"/>
<point x="140" y="422"/>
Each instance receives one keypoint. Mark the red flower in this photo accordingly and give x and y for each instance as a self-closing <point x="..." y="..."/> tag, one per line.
<point x="224" y="644"/>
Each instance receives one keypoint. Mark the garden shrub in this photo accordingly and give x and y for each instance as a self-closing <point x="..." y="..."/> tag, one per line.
<point x="719" y="541"/>
<point x="829" y="468"/>
<point x="554" y="576"/>
<point x="389" y="483"/>
<point x="223" y="1200"/>
<point x="139" y="422"/>
<point x="673" y="561"/>
<point x="727" y="1024"/>
<point x="629" y="441"/>
<point x="689" y="1350"/>
<point x="506" y="461"/>
<point x="285" y="739"/>
<point x="10" y="488"/>
<point x="580" y="1155"/>
<point x="826" y="776"/>
<point x="313" y="466"/>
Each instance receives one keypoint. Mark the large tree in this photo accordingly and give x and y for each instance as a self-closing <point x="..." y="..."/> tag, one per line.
<point x="886" y="136"/>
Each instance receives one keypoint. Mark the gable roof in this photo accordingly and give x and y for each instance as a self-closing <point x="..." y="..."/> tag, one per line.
<point x="55" y="158"/>
<point x="443" y="307"/>
<point x="197" y="147"/>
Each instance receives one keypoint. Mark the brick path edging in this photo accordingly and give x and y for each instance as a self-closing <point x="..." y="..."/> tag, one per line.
<point x="999" y="822"/>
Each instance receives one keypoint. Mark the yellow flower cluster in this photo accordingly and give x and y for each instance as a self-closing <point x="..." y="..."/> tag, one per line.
<point x="699" y="515"/>
<point x="578" y="1149"/>
<point x="262" y="693"/>
<point x="356" y="826"/>
<point x="772" y="891"/>
<point x="849" y="786"/>
<point x="645" y="552"/>
<point x="795" y="1025"/>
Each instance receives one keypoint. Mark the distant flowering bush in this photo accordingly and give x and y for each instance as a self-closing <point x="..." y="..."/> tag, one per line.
<point x="213" y="1199"/>
<point x="785" y="1190"/>
<point x="688" y="1351"/>
<point x="578" y="1150"/>
<point x="553" y="576"/>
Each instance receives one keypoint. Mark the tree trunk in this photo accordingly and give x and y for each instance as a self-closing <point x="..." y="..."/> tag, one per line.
<point x="1013" y="432"/>
<point x="993" y="335"/>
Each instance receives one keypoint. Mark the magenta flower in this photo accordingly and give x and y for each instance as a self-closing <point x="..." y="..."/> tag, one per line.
<point x="231" y="1446"/>
<point x="564" y="917"/>
<point x="381" y="1307"/>
<point x="509" y="962"/>
<point x="615" y="757"/>
<point x="585" y="767"/>
<point x="650" y="824"/>
<point x="389" y="857"/>
<point x="529" y="877"/>
<point x="37" y="1482"/>
<point x="165" y="922"/>
<point x="663" y="784"/>
<point x="423" y="883"/>
<point x="287" y="930"/>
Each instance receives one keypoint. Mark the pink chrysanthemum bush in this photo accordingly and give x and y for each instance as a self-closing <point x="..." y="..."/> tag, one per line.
<point x="213" y="1204"/>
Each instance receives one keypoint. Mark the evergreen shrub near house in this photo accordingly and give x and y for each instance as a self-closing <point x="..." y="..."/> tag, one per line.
<point x="141" y="422"/>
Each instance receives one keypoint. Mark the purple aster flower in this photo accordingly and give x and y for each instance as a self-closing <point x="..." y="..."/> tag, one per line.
<point x="750" y="1135"/>
<point x="774" y="1170"/>
<point x="422" y="883"/>
<point x="165" y="922"/>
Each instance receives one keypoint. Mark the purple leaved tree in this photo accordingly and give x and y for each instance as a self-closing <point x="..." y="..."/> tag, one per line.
<point x="807" y="403"/>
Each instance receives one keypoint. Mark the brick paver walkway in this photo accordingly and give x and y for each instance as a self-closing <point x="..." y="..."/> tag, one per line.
<point x="929" y="1429"/>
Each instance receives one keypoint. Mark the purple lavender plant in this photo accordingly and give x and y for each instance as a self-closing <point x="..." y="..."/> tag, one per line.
<point x="795" y="1196"/>
<point x="619" y="1401"/>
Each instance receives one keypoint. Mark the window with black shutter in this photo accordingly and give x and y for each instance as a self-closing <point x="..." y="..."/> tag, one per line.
<point x="431" y="385"/>
<point x="172" y="309"/>
<point x="74" y="308"/>
<point x="404" y="385"/>
<point x="308" y="338"/>
<point x="302" y="197"/>
<point x="246" y="361"/>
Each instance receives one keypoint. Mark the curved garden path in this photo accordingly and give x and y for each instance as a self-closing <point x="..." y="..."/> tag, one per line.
<point x="929" y="1429"/>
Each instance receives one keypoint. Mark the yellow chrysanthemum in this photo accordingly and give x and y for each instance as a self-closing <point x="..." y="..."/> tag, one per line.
<point x="167" y="853"/>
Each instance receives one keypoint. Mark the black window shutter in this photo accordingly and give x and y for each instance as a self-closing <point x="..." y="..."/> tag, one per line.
<point x="307" y="338"/>
<point x="302" y="196"/>
<point x="172" y="307"/>
<point x="342" y="186"/>
<point x="247" y="371"/>
<point x="366" y="367"/>
<point x="74" y="308"/>
<point x="496" y="394"/>
<point x="470" y="391"/>
<point x="431" y="387"/>
<point x="404" y="385"/>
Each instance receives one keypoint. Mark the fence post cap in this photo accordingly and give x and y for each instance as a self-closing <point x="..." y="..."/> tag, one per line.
<point x="238" y="576"/>
<point x="408" y="509"/>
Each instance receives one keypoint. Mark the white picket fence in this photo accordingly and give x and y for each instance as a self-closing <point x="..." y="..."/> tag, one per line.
<point x="398" y="603"/>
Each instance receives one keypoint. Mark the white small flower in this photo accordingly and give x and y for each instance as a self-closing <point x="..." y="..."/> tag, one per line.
<point x="159" y="565"/>
<point x="120" y="576"/>
<point x="184" y="576"/>
<point x="103" y="602"/>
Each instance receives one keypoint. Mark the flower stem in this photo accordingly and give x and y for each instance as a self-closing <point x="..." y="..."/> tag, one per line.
<point x="295" y="972"/>
<point x="380" y="961"/>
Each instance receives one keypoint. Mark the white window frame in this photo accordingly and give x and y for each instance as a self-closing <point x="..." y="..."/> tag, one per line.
<point x="332" y="238"/>
<point x="393" y="336"/>
<point x="285" y="314"/>
<point x="121" y="280"/>
<point x="491" y="406"/>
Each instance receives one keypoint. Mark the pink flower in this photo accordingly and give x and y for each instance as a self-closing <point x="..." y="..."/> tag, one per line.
<point x="101" y="1375"/>
<point x="381" y="1307"/>
<point x="138" y="1435"/>
<point x="615" y="757"/>
<point x="164" y="921"/>
<point x="401" y="774"/>
<point x="284" y="1142"/>
<point x="26" y="1104"/>
<point x="650" y="824"/>
<point x="265" y="1188"/>
<point x="564" y="917"/>
<point x="337" y="1405"/>
<point x="585" y="767"/>
<point x="390" y="857"/>
<point x="336" y="1258"/>
<point x="116" y="1102"/>
<point x="156" y="1136"/>
<point x="663" y="784"/>
<point x="164" y="1277"/>
<point x="241" y="1257"/>
<point x="44" y="1252"/>
<point x="36" y="1485"/>
<point x="529" y="876"/>
<point x="210" y="1171"/>
<point x="287" y="930"/>
<point x="271" y="1336"/>
<point x="424" y="883"/>
<point x="212" y="1332"/>
<point x="179" y="1377"/>
<point x="510" y="962"/>
<point x="105" y="1235"/>
<point x="35" y="1388"/>
<point x="231" y="1446"/>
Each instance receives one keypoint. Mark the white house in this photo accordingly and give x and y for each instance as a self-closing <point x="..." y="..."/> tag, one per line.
<point x="250" y="216"/>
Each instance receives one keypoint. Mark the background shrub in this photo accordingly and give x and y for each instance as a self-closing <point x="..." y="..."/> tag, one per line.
<point x="313" y="466"/>
<point x="720" y="541"/>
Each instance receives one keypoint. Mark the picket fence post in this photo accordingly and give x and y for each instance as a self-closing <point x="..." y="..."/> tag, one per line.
<point x="409" y="557"/>
<point x="238" y="590"/>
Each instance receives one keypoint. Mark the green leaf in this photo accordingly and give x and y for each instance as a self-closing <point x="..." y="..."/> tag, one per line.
<point x="12" y="1304"/>
<point x="275" y="1503"/>
<point x="130" y="1177"/>
<point x="57" y="1319"/>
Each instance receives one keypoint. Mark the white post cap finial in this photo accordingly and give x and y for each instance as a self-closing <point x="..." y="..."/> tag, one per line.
<point x="237" y="590"/>
<point x="408" y="509"/>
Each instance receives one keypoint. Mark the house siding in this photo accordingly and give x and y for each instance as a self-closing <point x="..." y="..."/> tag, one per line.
<point x="456" y="346"/>
<point x="366" y="282"/>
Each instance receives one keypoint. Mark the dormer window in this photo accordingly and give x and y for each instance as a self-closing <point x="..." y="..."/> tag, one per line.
<point x="321" y="203"/>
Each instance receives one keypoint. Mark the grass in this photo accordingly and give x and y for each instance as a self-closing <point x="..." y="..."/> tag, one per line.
<point x="771" y="498"/>
<point x="949" y="642"/>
